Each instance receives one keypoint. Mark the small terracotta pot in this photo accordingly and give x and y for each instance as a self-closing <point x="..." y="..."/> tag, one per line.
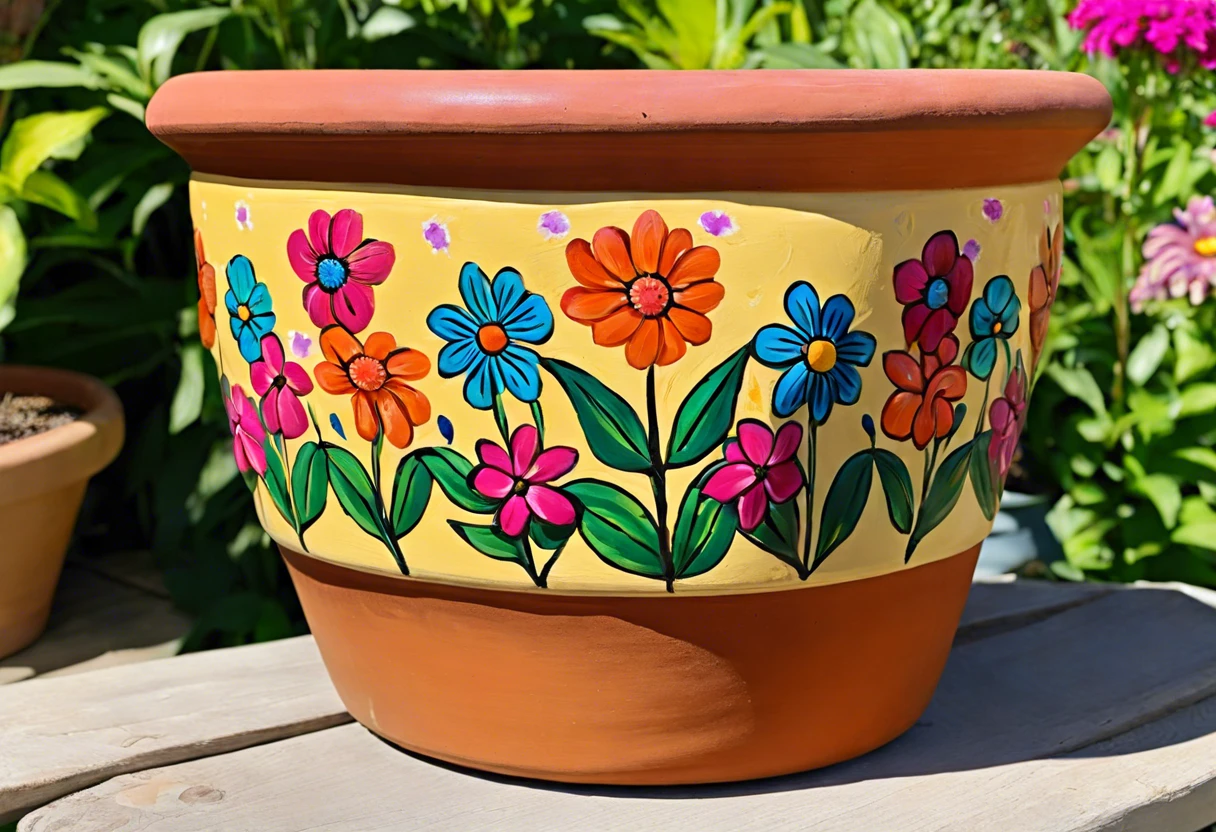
<point x="42" y="483"/>
<point x="629" y="427"/>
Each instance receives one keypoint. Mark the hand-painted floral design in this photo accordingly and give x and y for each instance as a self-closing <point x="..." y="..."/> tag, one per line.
<point x="1007" y="415"/>
<point x="340" y="267"/>
<point x="206" y="293"/>
<point x="819" y="355"/>
<point x="761" y="467"/>
<point x="484" y="337"/>
<point x="994" y="318"/>
<point x="1179" y="257"/>
<point x="242" y="215"/>
<point x="280" y="383"/>
<point x="247" y="431"/>
<point x="436" y="235"/>
<point x="522" y="479"/>
<point x="250" y="310"/>
<point x="934" y="291"/>
<point x="971" y="250"/>
<point x="717" y="223"/>
<point x="374" y="375"/>
<point x="922" y="407"/>
<point x="553" y="225"/>
<point x="648" y="291"/>
<point x="1044" y="283"/>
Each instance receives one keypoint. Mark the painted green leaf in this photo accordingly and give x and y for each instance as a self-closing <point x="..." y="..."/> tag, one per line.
<point x="411" y="493"/>
<point x="703" y="533"/>
<point x="490" y="541"/>
<point x="353" y="488"/>
<point x="613" y="430"/>
<point x="309" y="483"/>
<point x="897" y="488"/>
<point x="276" y="481"/>
<point x="844" y="503"/>
<point x="778" y="534"/>
<point x="619" y="529"/>
<point x="707" y="413"/>
<point x="548" y="536"/>
<point x="451" y="472"/>
<point x="944" y="491"/>
<point x="987" y="492"/>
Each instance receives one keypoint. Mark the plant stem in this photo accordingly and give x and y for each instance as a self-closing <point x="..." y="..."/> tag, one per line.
<point x="529" y="563"/>
<point x="500" y="419"/>
<point x="658" y="480"/>
<point x="544" y="573"/>
<point x="539" y="419"/>
<point x="386" y="525"/>
<point x="811" y="452"/>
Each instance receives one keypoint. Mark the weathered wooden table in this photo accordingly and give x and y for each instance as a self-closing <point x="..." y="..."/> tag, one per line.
<point x="1062" y="708"/>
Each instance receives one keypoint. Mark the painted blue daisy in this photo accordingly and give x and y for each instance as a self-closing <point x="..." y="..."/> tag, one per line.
<point x="994" y="318"/>
<point x="483" y="338"/>
<point x="250" y="312"/>
<point x="818" y="354"/>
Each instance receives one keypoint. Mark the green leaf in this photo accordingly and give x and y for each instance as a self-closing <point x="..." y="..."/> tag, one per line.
<point x="982" y="475"/>
<point x="451" y="472"/>
<point x="1164" y="493"/>
<point x="385" y="22"/>
<point x="153" y="198"/>
<point x="897" y="488"/>
<point x="187" y="403"/>
<point x="877" y="37"/>
<point x="612" y="428"/>
<point x="27" y="75"/>
<point x="844" y="503"/>
<point x="944" y="491"/>
<point x="411" y="493"/>
<point x="707" y="412"/>
<point x="1176" y="173"/>
<point x="309" y="483"/>
<point x="1202" y="535"/>
<point x="34" y="139"/>
<point x="798" y="56"/>
<point x="778" y="534"/>
<point x="45" y="188"/>
<point x="353" y="488"/>
<point x="490" y="541"/>
<point x="704" y="530"/>
<point x="126" y="105"/>
<point x="12" y="262"/>
<point x="276" y="481"/>
<point x="548" y="536"/>
<point x="1147" y="355"/>
<point x="161" y="36"/>
<point x="619" y="529"/>
<point x="1109" y="168"/>
<point x="1197" y="400"/>
<point x="1079" y="383"/>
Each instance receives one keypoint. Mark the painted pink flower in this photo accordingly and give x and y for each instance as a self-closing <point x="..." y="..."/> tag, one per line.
<point x="521" y="480"/>
<point x="340" y="268"/>
<point x="1007" y="415"/>
<point x="1177" y="30"/>
<point x="760" y="468"/>
<point x="280" y="383"/>
<point x="934" y="290"/>
<point x="247" y="431"/>
<point x="1179" y="258"/>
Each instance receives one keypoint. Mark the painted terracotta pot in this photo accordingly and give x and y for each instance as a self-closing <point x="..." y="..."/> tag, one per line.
<point x="42" y="483"/>
<point x="631" y="427"/>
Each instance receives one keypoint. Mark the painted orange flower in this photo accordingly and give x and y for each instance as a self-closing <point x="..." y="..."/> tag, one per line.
<point x="206" y="293"/>
<point x="649" y="290"/>
<point x="375" y="375"/>
<point x="1044" y="283"/>
<point x="923" y="406"/>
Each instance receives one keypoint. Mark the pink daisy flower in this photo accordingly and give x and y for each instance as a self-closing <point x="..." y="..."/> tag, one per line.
<point x="280" y="383"/>
<point x="340" y="268"/>
<point x="1179" y="257"/>
<point x="521" y="479"/>
<point x="760" y="468"/>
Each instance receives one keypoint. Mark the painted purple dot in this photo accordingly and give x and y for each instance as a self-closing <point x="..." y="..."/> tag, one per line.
<point x="972" y="250"/>
<point x="242" y="214"/>
<point x="718" y="223"/>
<point x="993" y="209"/>
<point x="553" y="225"/>
<point x="301" y="344"/>
<point x="436" y="234"/>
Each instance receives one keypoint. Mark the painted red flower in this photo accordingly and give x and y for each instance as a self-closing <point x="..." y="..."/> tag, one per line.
<point x="1007" y="415"/>
<point x="923" y="406"/>
<point x="340" y="268"/>
<point x="206" y="293"/>
<point x="934" y="291"/>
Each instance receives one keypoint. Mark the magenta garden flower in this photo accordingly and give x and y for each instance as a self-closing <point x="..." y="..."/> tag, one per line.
<point x="247" y="431"/>
<point x="340" y="267"/>
<point x="760" y="467"/>
<point x="934" y="291"/>
<point x="280" y="383"/>
<point x="1177" y="30"/>
<point x="1179" y="257"/>
<point x="521" y="479"/>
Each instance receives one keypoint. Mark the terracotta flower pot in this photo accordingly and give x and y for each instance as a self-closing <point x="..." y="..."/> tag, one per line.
<point x="42" y="482"/>
<point x="683" y="400"/>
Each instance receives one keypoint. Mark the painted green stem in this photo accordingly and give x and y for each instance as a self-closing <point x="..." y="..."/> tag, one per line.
<point x="811" y="453"/>
<point x="658" y="480"/>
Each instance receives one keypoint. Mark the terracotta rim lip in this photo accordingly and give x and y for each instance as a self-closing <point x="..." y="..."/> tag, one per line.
<point x="312" y="103"/>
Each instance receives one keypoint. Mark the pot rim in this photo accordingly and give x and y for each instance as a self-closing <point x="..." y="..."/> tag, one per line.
<point x="811" y="130"/>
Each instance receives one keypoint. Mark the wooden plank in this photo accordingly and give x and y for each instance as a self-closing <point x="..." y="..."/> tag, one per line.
<point x="1100" y="717"/>
<point x="63" y="734"/>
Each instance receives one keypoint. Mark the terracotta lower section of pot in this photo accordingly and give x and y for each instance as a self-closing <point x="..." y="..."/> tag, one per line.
<point x="636" y="690"/>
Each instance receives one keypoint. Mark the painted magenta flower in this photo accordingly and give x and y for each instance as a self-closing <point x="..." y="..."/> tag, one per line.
<point x="934" y="291"/>
<point x="250" y="310"/>
<point x="206" y="293"/>
<point x="819" y="355"/>
<point x="994" y="318"/>
<point x="280" y="383"/>
<point x="923" y="405"/>
<point x="521" y="479"/>
<point x="247" y="431"/>
<point x="340" y="267"/>
<point x="649" y="291"/>
<point x="1044" y="283"/>
<point x="1007" y="415"/>
<point x="374" y="375"/>
<point x="760" y="468"/>
<point x="1179" y="257"/>
<point x="484" y="337"/>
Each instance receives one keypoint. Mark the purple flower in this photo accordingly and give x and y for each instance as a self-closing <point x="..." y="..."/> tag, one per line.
<point x="301" y="344"/>
<point x="993" y="209"/>
<point x="760" y="468"/>
<point x="1174" y="29"/>
<point x="971" y="250"/>
<point x="1179" y="258"/>
<point x="436" y="234"/>
<point x="553" y="225"/>
<point x="718" y="223"/>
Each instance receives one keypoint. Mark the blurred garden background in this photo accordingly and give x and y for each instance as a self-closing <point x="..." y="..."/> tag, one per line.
<point x="97" y="270"/>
